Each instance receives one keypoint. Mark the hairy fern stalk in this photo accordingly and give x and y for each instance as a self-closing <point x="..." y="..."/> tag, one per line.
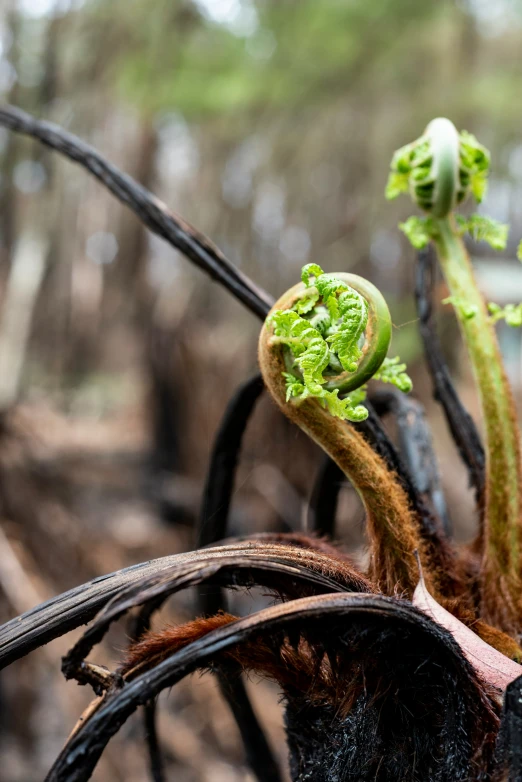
<point x="323" y="340"/>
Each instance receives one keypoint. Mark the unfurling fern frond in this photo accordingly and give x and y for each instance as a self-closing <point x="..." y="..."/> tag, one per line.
<point x="324" y="333"/>
<point x="307" y="303"/>
<point x="440" y="169"/>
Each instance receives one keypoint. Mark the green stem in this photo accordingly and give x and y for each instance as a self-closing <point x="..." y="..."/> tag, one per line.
<point x="503" y="471"/>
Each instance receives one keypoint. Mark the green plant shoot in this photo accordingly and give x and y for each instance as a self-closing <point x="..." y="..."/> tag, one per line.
<point x="440" y="170"/>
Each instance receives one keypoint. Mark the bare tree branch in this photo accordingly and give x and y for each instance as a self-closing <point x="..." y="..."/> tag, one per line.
<point x="416" y="448"/>
<point x="219" y="484"/>
<point x="149" y="209"/>
<point x="163" y="576"/>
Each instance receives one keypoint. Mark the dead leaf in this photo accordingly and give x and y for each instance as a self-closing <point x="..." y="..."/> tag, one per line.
<point x="493" y="666"/>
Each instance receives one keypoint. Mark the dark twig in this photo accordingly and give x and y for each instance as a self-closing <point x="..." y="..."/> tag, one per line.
<point x="375" y="433"/>
<point x="156" y="216"/>
<point x="462" y="426"/>
<point x="141" y="625"/>
<point x="118" y="592"/>
<point x="157" y="768"/>
<point x="149" y="209"/>
<point x="217" y="497"/>
<point x="65" y="612"/>
<point x="234" y="565"/>
<point x="258" y="751"/>
<point x="282" y="568"/>
<point x="416" y="447"/>
<point x="325" y="497"/>
<point x="219" y="484"/>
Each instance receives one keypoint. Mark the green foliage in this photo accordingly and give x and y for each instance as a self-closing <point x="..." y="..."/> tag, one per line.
<point x="347" y="309"/>
<point x="464" y="309"/>
<point x="485" y="229"/>
<point x="519" y="251"/>
<point x="392" y="371"/>
<point x="307" y="303"/>
<point x="419" y="231"/>
<point x="475" y="161"/>
<point x="307" y="344"/>
<point x="294" y="387"/>
<point x="353" y="313"/>
<point x="328" y="338"/>
<point x="397" y="183"/>
<point x="310" y="270"/>
<point x="511" y="313"/>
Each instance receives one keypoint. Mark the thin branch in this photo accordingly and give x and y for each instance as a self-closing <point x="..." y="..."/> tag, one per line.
<point x="157" y="767"/>
<point x="149" y="209"/>
<point x="219" y="484"/>
<point x="236" y="563"/>
<point x="461" y="424"/>
<point x="139" y="626"/>
<point x="213" y="527"/>
<point x="324" y="499"/>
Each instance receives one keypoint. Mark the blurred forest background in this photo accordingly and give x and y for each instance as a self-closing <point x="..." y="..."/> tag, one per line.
<point x="269" y="125"/>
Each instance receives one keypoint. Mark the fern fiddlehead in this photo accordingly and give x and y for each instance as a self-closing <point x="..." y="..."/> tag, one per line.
<point x="336" y="329"/>
<point x="440" y="170"/>
<point x="324" y="339"/>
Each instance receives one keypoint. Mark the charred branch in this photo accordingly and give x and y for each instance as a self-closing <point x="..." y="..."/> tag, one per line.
<point x="461" y="425"/>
